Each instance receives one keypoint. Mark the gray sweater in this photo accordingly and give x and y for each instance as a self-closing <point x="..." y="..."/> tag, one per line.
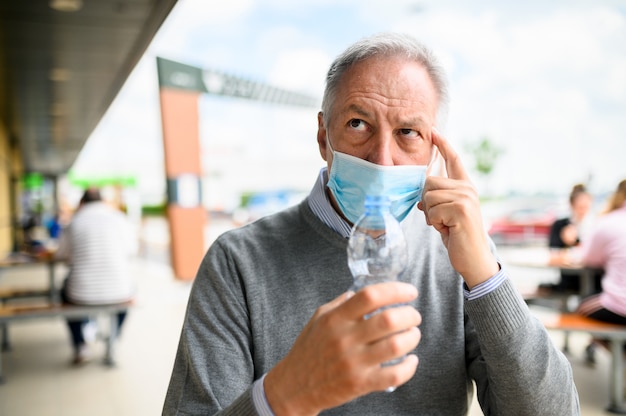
<point x="260" y="284"/>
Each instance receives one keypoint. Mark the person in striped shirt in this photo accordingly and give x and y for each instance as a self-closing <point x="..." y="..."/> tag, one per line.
<point x="97" y="246"/>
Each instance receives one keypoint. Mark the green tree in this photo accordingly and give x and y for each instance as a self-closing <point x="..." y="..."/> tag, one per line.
<point x="486" y="155"/>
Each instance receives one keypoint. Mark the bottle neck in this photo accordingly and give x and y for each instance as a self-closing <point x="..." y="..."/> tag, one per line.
<point x="377" y="209"/>
<point x="377" y="204"/>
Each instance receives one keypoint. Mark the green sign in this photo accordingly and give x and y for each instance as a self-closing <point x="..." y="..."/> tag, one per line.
<point x="32" y="180"/>
<point x="101" y="181"/>
<point x="180" y="76"/>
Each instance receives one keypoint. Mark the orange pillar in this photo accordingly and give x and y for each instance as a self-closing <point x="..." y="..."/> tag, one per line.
<point x="186" y="215"/>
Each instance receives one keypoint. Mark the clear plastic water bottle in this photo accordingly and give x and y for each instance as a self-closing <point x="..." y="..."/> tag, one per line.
<point x="377" y="248"/>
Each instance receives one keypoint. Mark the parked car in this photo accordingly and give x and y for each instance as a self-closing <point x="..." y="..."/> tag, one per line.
<point x="522" y="226"/>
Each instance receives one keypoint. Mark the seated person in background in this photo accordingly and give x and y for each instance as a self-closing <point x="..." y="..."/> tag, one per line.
<point x="97" y="245"/>
<point x="566" y="234"/>
<point x="31" y="235"/>
<point x="606" y="248"/>
<point x="270" y="328"/>
<point x="54" y="227"/>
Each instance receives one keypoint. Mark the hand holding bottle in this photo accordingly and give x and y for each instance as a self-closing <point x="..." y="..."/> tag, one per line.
<point x="377" y="249"/>
<point x="337" y="357"/>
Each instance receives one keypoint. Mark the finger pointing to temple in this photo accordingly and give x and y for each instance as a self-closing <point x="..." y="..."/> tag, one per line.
<point x="454" y="166"/>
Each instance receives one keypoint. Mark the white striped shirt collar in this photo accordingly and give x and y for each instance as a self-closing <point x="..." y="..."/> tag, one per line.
<point x="323" y="209"/>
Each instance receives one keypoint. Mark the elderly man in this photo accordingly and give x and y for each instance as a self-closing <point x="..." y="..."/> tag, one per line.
<point x="269" y="329"/>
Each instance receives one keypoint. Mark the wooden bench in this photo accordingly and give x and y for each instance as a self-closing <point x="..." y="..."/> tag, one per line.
<point x="20" y="312"/>
<point x="614" y="334"/>
<point x="10" y="294"/>
<point x="557" y="301"/>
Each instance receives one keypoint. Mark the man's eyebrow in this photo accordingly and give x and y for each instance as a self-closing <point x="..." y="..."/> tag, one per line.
<point x="413" y="120"/>
<point x="353" y="108"/>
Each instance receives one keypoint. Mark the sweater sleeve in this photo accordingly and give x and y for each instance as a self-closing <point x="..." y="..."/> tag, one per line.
<point x="213" y="371"/>
<point x="516" y="366"/>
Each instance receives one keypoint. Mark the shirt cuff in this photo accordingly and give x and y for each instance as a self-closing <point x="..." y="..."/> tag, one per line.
<point x="258" y="398"/>
<point x="485" y="287"/>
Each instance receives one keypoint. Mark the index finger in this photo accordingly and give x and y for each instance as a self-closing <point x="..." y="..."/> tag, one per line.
<point x="454" y="167"/>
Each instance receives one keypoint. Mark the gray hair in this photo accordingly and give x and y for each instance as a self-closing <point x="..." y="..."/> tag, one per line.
<point x="386" y="44"/>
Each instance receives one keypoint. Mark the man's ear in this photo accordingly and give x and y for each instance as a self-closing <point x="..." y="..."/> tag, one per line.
<point x="321" y="136"/>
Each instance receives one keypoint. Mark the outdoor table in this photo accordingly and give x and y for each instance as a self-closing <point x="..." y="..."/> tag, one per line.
<point x="19" y="259"/>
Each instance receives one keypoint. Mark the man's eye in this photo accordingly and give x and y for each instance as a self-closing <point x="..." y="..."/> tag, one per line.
<point x="357" y="124"/>
<point x="409" y="133"/>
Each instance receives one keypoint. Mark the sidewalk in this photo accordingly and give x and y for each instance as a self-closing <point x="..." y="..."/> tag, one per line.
<point x="40" y="381"/>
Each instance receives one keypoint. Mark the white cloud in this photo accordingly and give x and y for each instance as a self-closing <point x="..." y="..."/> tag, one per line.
<point x="301" y="70"/>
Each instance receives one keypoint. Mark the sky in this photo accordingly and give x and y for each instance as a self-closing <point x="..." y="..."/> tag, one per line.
<point x="544" y="81"/>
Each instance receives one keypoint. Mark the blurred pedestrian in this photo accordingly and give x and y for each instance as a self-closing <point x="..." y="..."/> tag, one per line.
<point x="54" y="227"/>
<point x="31" y="233"/>
<point x="97" y="246"/>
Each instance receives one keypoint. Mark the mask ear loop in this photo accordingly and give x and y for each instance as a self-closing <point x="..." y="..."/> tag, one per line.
<point x="435" y="167"/>
<point x="330" y="145"/>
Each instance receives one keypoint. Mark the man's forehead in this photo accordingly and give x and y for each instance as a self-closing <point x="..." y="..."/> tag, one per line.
<point x="409" y="109"/>
<point x="389" y="81"/>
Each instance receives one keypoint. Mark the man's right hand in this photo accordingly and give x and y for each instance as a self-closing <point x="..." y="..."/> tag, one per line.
<point x="338" y="355"/>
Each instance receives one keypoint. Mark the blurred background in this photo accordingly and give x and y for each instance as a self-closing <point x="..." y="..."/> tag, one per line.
<point x="543" y="82"/>
<point x="538" y="97"/>
<point x="540" y="84"/>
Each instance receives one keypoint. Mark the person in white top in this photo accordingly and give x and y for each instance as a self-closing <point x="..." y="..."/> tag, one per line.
<point x="97" y="245"/>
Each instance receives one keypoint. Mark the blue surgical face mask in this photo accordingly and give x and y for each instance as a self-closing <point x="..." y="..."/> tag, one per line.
<point x="351" y="179"/>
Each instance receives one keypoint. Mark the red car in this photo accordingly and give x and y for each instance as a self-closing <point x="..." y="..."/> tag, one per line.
<point x="524" y="226"/>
